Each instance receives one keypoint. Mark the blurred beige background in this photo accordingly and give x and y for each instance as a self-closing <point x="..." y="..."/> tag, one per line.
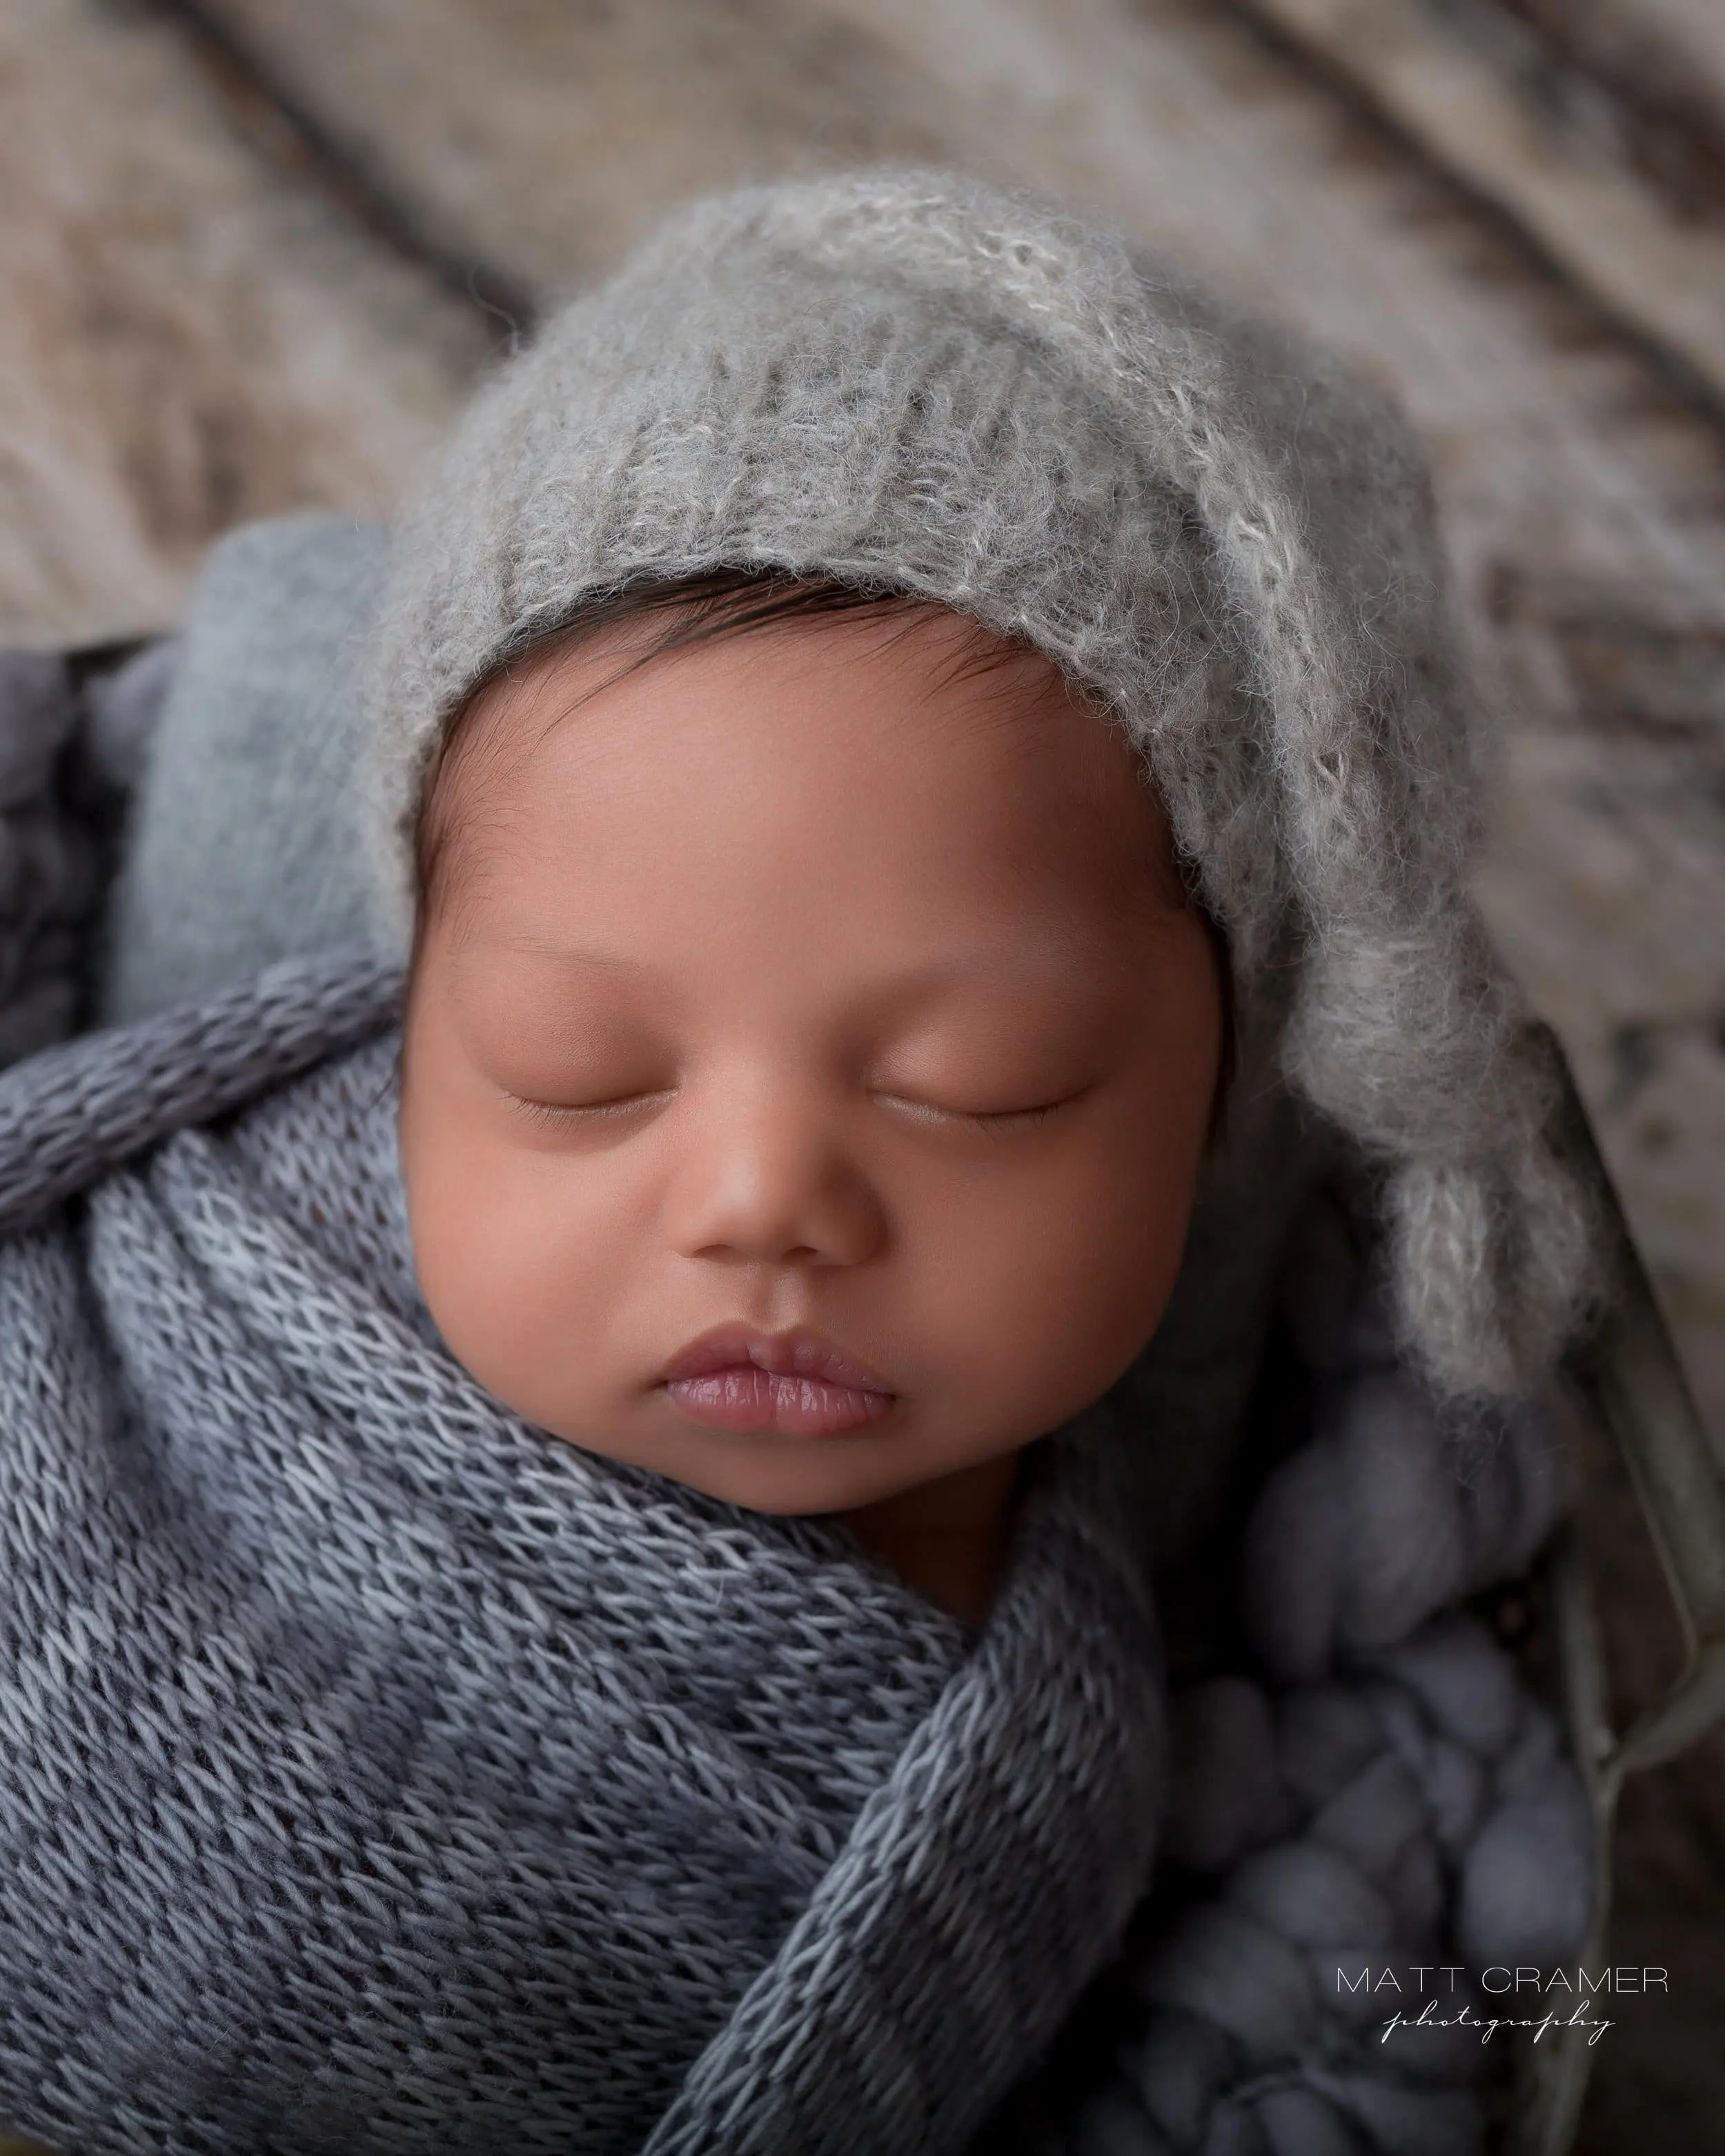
<point x="254" y="252"/>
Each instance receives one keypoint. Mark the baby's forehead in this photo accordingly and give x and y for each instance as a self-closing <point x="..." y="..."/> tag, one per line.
<point x="889" y="700"/>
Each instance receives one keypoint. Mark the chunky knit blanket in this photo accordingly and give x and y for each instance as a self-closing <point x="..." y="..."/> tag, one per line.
<point x="382" y="1773"/>
<point x="1362" y="1786"/>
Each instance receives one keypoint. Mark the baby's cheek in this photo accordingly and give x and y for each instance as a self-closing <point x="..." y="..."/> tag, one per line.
<point x="516" y="1270"/>
<point x="1032" y="1290"/>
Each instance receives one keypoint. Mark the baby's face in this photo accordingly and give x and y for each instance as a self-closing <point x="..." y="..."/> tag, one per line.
<point x="799" y="996"/>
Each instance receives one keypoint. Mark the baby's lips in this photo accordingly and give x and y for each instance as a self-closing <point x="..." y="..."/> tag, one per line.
<point x="799" y="1352"/>
<point x="745" y="1398"/>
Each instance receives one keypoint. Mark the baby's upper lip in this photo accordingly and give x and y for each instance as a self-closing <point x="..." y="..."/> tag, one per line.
<point x="799" y="1352"/>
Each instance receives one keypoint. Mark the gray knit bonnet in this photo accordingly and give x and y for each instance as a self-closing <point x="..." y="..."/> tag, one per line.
<point x="1226" y="538"/>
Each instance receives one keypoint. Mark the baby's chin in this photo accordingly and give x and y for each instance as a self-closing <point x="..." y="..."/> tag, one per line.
<point x="786" y="1475"/>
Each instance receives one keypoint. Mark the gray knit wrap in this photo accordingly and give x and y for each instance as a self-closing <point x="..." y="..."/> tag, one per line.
<point x="1362" y="1785"/>
<point x="385" y="1775"/>
<point x="918" y="381"/>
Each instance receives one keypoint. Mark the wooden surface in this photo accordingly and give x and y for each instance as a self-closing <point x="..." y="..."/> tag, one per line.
<point x="1666" y="58"/>
<point x="189" y="340"/>
<point x="1599" y="220"/>
<point x="242" y="235"/>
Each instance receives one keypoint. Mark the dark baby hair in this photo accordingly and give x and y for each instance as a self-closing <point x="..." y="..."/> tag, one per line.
<point x="681" y="613"/>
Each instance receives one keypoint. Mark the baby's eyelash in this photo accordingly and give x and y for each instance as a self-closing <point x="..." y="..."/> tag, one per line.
<point x="556" y="1117"/>
<point x="999" y="1119"/>
<point x="551" y="1115"/>
<point x="1004" y="1117"/>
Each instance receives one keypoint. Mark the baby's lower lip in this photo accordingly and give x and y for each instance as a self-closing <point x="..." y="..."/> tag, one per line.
<point x="743" y="1397"/>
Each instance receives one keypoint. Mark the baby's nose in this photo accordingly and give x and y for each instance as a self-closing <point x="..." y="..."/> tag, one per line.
<point x="769" y="1180"/>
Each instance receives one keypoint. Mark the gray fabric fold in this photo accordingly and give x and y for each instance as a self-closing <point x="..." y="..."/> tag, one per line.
<point x="245" y="845"/>
<point x="384" y="1774"/>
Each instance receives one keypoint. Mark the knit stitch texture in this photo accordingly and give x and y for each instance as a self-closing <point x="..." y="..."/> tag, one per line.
<point x="1380" y="1793"/>
<point x="385" y="1775"/>
<point x="917" y="381"/>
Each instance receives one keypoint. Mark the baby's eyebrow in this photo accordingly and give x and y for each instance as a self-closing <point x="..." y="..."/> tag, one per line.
<point x="604" y="955"/>
<point x="469" y="970"/>
<point x="1019" y="966"/>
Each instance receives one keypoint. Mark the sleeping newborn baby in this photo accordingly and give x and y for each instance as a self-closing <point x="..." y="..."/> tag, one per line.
<point x="810" y="1052"/>
<point x="568" y="1573"/>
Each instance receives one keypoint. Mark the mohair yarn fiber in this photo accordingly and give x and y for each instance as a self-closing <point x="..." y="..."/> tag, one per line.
<point x="1226" y="536"/>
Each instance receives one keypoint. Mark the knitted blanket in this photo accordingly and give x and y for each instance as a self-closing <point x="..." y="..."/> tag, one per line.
<point x="383" y="1774"/>
<point x="1364" y="1788"/>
